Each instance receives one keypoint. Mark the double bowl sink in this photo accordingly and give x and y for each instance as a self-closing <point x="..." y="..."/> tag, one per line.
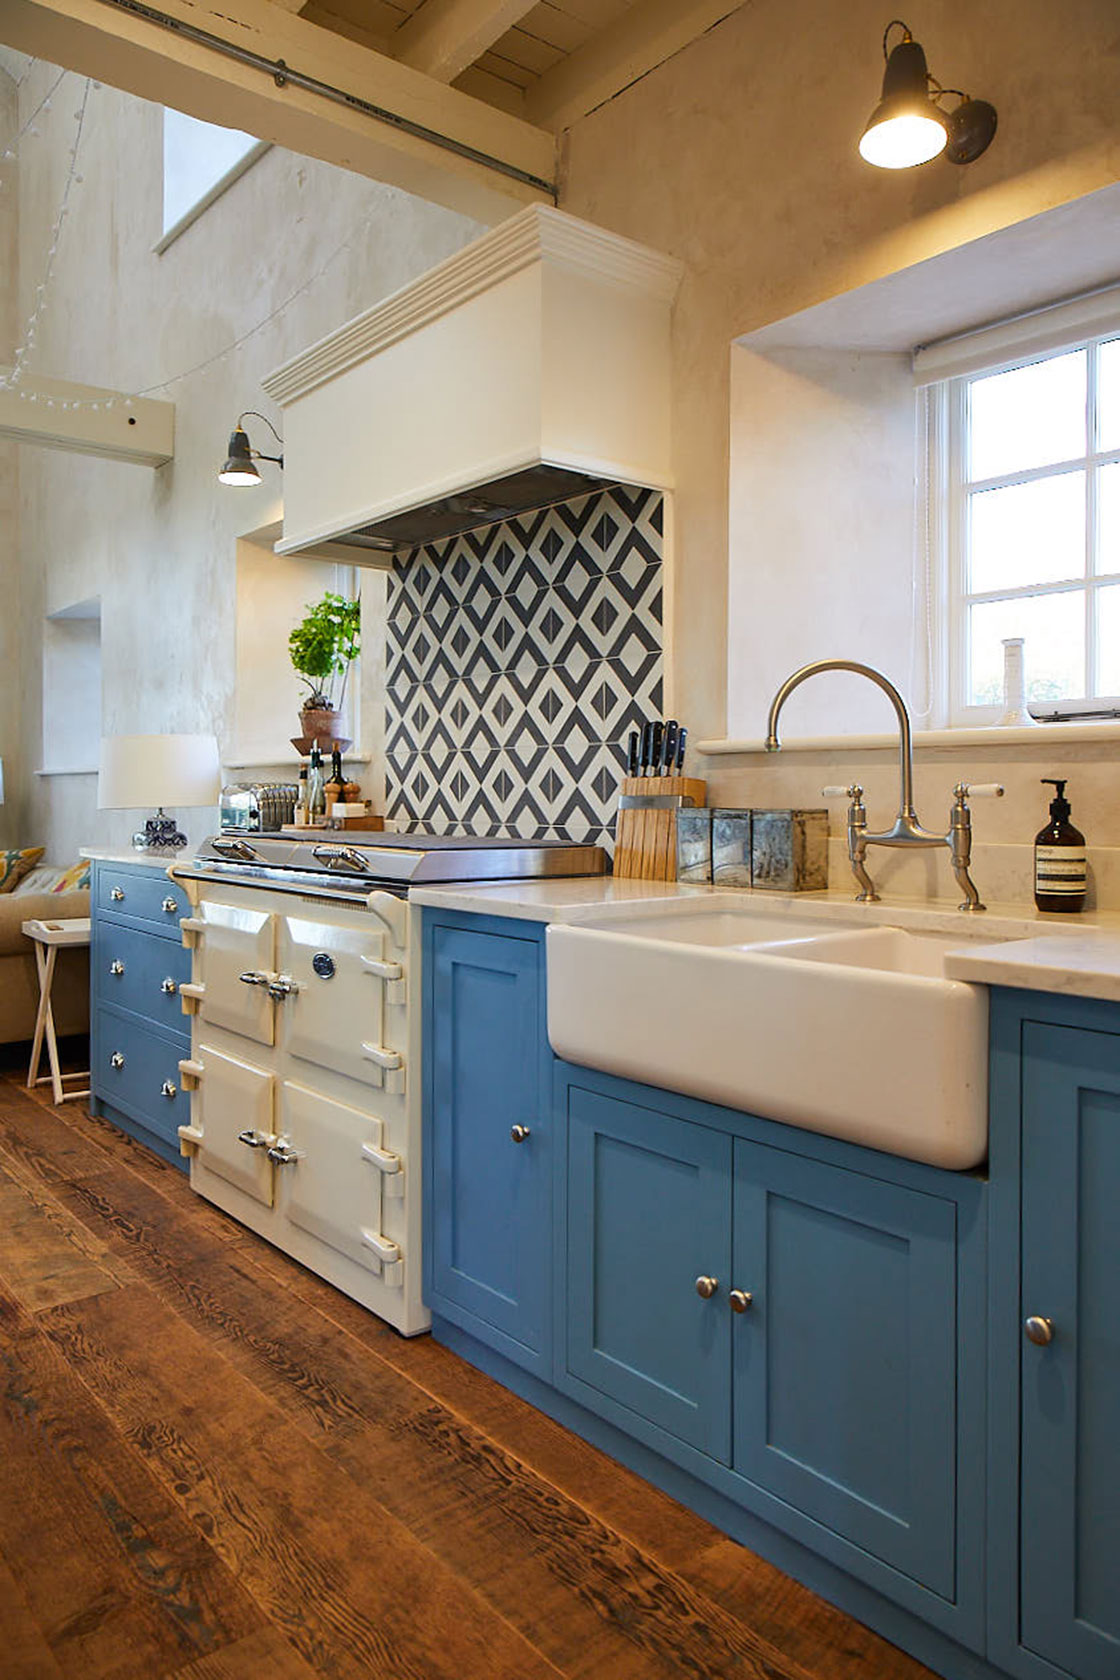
<point x="836" y="1025"/>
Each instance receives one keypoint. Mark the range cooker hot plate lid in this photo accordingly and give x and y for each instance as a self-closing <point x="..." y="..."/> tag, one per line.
<point x="402" y="858"/>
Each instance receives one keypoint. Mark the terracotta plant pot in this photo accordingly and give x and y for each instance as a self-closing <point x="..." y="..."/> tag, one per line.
<point x="318" y="724"/>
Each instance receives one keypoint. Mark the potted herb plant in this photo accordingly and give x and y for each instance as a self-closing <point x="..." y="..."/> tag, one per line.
<point x="323" y="646"/>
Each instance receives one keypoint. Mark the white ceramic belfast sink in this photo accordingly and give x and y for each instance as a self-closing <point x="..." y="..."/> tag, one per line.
<point x="839" y="1027"/>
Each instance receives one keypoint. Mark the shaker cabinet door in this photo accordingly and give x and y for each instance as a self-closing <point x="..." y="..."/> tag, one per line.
<point x="1070" y="1293"/>
<point x="488" y="1142"/>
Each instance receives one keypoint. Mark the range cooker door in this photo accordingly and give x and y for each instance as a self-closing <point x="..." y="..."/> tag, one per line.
<point x="232" y="1107"/>
<point x="335" y="1016"/>
<point x="335" y="1176"/>
<point x="234" y="962"/>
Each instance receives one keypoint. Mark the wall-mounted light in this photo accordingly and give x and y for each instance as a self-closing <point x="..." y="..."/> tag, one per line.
<point x="908" y="126"/>
<point x="239" y="468"/>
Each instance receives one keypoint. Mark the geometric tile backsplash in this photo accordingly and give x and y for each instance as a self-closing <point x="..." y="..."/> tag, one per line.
<point x="519" y="658"/>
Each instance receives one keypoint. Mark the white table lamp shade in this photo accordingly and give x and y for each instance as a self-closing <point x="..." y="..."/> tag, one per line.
<point x="142" y="771"/>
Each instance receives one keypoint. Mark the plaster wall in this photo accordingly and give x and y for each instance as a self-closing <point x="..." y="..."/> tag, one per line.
<point x="739" y="156"/>
<point x="290" y="252"/>
<point x="10" y="732"/>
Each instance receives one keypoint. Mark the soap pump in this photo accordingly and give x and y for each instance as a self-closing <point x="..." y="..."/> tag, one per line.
<point x="1059" y="857"/>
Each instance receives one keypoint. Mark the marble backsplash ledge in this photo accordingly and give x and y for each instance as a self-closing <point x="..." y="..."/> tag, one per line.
<point x="519" y="657"/>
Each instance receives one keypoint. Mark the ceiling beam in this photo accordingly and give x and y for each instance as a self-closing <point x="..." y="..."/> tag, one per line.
<point x="133" y="50"/>
<point x="140" y="430"/>
<point x="443" y="37"/>
<point x="642" y="38"/>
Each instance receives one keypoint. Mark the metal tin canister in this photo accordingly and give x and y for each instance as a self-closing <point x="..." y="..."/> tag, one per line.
<point x="789" y="850"/>
<point x="694" y="845"/>
<point x="731" y="848"/>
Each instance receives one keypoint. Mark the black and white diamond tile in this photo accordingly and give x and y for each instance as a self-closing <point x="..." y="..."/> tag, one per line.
<point x="519" y="658"/>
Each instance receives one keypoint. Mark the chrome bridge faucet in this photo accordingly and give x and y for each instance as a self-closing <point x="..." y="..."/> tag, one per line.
<point x="906" y="830"/>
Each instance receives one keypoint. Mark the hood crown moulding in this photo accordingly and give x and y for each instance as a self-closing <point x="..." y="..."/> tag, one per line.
<point x="537" y="234"/>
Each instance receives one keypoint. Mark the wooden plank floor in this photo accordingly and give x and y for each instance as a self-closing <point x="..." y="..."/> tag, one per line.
<point x="214" y="1466"/>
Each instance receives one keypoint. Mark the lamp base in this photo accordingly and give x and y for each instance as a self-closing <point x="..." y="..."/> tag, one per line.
<point x="159" y="834"/>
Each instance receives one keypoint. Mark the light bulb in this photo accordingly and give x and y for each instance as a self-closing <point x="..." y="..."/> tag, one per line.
<point x="903" y="141"/>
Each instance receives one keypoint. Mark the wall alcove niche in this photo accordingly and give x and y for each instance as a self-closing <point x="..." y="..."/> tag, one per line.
<point x="72" y="689"/>
<point x="829" y="535"/>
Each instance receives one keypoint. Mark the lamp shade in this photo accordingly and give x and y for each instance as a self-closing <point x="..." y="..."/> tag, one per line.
<point x="239" y="468"/>
<point x="905" y="128"/>
<point x="141" y="771"/>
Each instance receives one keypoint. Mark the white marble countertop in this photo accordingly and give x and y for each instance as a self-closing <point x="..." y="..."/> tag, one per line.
<point x="1009" y="945"/>
<point x="131" y="854"/>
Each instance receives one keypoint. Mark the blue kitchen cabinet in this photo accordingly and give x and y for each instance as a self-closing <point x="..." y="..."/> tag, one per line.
<point x="488" y="1134"/>
<point x="138" y="1031"/>
<point x="1056" y="1527"/>
<point x="796" y="1321"/>
<point x="648" y="1229"/>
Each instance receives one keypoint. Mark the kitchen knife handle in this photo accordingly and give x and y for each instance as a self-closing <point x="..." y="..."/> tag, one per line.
<point x="669" y="750"/>
<point x="681" y="739"/>
<point x="655" y="750"/>
<point x="632" y="754"/>
<point x="647" y="747"/>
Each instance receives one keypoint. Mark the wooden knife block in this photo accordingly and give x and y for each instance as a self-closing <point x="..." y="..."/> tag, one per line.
<point x="646" y="841"/>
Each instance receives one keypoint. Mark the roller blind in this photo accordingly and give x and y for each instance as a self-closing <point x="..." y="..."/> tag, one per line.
<point x="1094" y="314"/>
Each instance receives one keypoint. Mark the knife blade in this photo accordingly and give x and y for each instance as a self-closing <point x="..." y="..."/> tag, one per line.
<point x="647" y="748"/>
<point x="632" y="754"/>
<point x="681" y="739"/>
<point x="655" y="749"/>
<point x="669" y="750"/>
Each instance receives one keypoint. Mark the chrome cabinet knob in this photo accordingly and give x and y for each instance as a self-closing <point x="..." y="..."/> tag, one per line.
<point x="254" y="1140"/>
<point x="519" y="1133"/>
<point x="116" y="1060"/>
<point x="706" y="1287"/>
<point x="170" y="905"/>
<point x="253" y="977"/>
<point x="1040" y="1331"/>
<point x="167" y="1089"/>
<point x="282" y="1154"/>
<point x="741" y="1300"/>
<point x="117" y="894"/>
<point x="116" y="966"/>
<point x="169" y="986"/>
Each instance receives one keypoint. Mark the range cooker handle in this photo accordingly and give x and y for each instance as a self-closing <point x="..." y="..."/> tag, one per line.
<point x="348" y="855"/>
<point x="240" y="849"/>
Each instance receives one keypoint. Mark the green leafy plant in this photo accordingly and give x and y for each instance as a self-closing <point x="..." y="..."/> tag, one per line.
<point x="324" y="645"/>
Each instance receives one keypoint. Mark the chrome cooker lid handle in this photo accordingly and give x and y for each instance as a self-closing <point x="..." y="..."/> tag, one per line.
<point x="228" y="847"/>
<point x="349" y="855"/>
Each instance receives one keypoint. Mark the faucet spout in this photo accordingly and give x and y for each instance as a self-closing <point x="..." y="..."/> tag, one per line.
<point x="907" y="819"/>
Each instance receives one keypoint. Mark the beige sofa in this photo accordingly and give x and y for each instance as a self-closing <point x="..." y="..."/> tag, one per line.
<point x="19" y="980"/>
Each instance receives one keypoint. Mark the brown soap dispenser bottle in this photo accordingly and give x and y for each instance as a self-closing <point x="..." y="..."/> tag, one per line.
<point x="1059" y="858"/>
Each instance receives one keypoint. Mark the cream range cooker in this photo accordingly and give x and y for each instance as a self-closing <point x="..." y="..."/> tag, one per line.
<point x="305" y="1041"/>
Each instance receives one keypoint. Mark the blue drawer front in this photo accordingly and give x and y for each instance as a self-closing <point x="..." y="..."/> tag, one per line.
<point x="132" y="970"/>
<point x="142" y="894"/>
<point x="136" y="1083"/>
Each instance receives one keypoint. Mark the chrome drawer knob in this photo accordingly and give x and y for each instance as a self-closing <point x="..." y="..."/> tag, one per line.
<point x="167" y="1089"/>
<point x="706" y="1287"/>
<point x="169" y="986"/>
<point x="1040" y="1331"/>
<point x="170" y="905"/>
<point x="116" y="966"/>
<point x="741" y="1300"/>
<point x="519" y="1133"/>
<point x="117" y="894"/>
<point x="116" y="1060"/>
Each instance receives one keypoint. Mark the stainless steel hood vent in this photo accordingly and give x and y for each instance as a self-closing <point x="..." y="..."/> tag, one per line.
<point x="504" y="498"/>
<point x="531" y="367"/>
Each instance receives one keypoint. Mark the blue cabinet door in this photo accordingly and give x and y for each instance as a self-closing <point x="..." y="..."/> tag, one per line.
<point x="648" y="1215"/>
<point x="845" y="1361"/>
<point x="488" y="1144"/>
<point x="1070" y="1448"/>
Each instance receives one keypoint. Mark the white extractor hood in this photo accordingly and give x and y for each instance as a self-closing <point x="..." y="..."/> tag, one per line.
<point x="532" y="366"/>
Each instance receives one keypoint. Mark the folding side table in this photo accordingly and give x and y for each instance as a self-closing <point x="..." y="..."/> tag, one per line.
<point x="49" y="937"/>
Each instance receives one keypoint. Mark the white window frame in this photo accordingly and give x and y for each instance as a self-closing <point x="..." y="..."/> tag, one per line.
<point x="1083" y="323"/>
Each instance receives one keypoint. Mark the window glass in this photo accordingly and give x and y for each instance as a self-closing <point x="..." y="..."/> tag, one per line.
<point x="1028" y="417"/>
<point x="1109" y="395"/>
<point x="1108" y="545"/>
<point x="1053" y="629"/>
<point x="196" y="157"/>
<point x="1027" y="533"/>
